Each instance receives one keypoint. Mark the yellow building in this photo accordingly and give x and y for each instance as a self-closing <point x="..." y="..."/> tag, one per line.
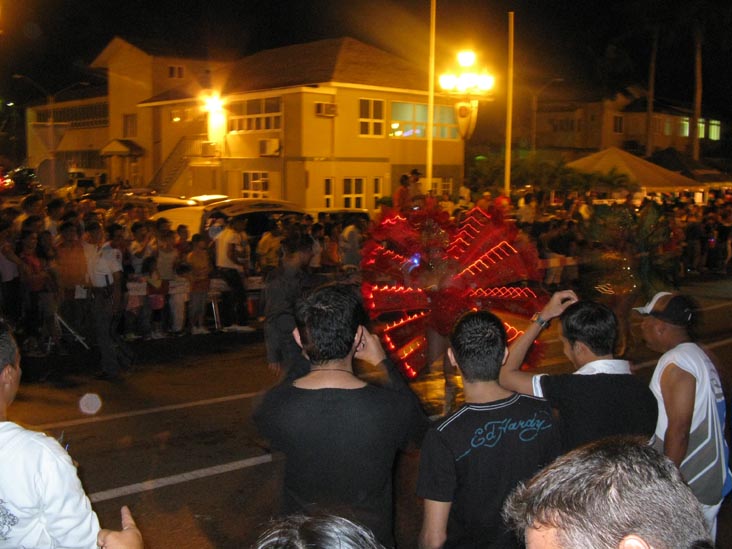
<point x="332" y="123"/>
<point x="620" y="122"/>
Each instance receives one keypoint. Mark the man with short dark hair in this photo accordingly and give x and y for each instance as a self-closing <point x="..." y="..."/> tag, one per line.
<point x="340" y="435"/>
<point x="602" y="397"/>
<point x="42" y="503"/>
<point x="616" y="493"/>
<point x="104" y="275"/>
<point x="472" y="460"/>
<point x="691" y="405"/>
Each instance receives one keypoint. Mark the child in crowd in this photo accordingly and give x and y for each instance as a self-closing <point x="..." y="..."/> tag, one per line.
<point x="157" y="288"/>
<point x="177" y="296"/>
<point x="201" y="267"/>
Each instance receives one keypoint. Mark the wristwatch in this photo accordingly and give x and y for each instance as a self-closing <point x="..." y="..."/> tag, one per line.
<point x="540" y="321"/>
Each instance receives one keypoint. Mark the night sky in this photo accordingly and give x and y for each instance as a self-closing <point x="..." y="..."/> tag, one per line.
<point x="593" y="45"/>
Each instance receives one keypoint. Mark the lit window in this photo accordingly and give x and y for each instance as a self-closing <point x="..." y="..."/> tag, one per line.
<point x="714" y="130"/>
<point x="180" y="115"/>
<point x="353" y="192"/>
<point x="264" y="114"/>
<point x="445" y="123"/>
<point x="410" y="120"/>
<point x="701" y="127"/>
<point x="684" y="127"/>
<point x="255" y="185"/>
<point x="371" y="117"/>
<point x="617" y="124"/>
<point x="129" y="125"/>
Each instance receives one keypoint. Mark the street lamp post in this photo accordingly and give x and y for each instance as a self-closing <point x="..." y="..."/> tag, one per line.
<point x="470" y="85"/>
<point x="535" y="108"/>
<point x="51" y="101"/>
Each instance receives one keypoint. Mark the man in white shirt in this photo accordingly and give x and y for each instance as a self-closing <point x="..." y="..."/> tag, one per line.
<point x="691" y="405"/>
<point x="104" y="272"/>
<point x="233" y="261"/>
<point x="42" y="502"/>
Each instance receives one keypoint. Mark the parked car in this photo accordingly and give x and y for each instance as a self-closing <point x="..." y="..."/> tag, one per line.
<point x="75" y="188"/>
<point x="339" y="215"/>
<point x="103" y="195"/>
<point x="206" y="199"/>
<point x="17" y="184"/>
<point x="258" y="212"/>
<point x="155" y="202"/>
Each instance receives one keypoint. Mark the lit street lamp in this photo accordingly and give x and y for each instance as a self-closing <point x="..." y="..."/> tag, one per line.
<point x="471" y="85"/>
<point x="535" y="108"/>
<point x="51" y="101"/>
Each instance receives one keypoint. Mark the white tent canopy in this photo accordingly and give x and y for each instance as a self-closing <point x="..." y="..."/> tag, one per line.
<point x="646" y="174"/>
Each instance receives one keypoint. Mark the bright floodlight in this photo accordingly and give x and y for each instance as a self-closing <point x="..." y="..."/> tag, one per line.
<point x="213" y="103"/>
<point x="466" y="58"/>
<point x="448" y="81"/>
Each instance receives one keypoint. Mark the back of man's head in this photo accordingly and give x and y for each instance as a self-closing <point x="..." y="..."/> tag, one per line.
<point x="591" y="323"/>
<point x="327" y="320"/>
<point x="598" y="494"/>
<point x="478" y="342"/>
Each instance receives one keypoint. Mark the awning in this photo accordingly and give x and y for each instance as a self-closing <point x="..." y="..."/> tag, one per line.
<point x="82" y="139"/>
<point x="122" y="147"/>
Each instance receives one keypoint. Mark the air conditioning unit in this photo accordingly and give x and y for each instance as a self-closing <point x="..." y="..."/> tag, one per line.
<point x="269" y="147"/>
<point x="328" y="110"/>
<point x="209" y="148"/>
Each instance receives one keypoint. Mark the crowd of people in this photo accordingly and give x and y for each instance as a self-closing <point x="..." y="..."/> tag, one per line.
<point x="529" y="457"/>
<point x="71" y="271"/>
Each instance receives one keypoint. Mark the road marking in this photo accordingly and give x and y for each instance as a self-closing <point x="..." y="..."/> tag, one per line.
<point x="156" y="410"/>
<point x="154" y="484"/>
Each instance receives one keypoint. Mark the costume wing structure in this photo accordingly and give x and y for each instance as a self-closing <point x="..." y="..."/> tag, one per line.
<point x="421" y="273"/>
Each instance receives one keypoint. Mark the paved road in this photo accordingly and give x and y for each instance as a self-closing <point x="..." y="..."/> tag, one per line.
<point x="175" y="441"/>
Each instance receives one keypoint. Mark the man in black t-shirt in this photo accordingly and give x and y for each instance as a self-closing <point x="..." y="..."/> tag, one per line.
<point x="340" y="435"/>
<point x="473" y="459"/>
<point x="602" y="398"/>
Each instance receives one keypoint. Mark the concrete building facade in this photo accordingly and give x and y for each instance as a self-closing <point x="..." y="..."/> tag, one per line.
<point x="328" y="124"/>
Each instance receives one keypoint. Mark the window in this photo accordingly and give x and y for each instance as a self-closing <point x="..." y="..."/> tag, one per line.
<point x="714" y="130"/>
<point x="701" y="126"/>
<point x="129" y="125"/>
<point x="408" y="120"/>
<point x="180" y="115"/>
<point x="328" y="192"/>
<point x="175" y="71"/>
<point x="353" y="192"/>
<point x="92" y="115"/>
<point x="684" y="127"/>
<point x="378" y="184"/>
<point x="255" y="185"/>
<point x="445" y="124"/>
<point x="371" y="117"/>
<point x="617" y="124"/>
<point x="253" y="115"/>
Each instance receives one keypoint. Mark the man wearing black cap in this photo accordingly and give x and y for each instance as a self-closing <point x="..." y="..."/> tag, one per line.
<point x="691" y="406"/>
